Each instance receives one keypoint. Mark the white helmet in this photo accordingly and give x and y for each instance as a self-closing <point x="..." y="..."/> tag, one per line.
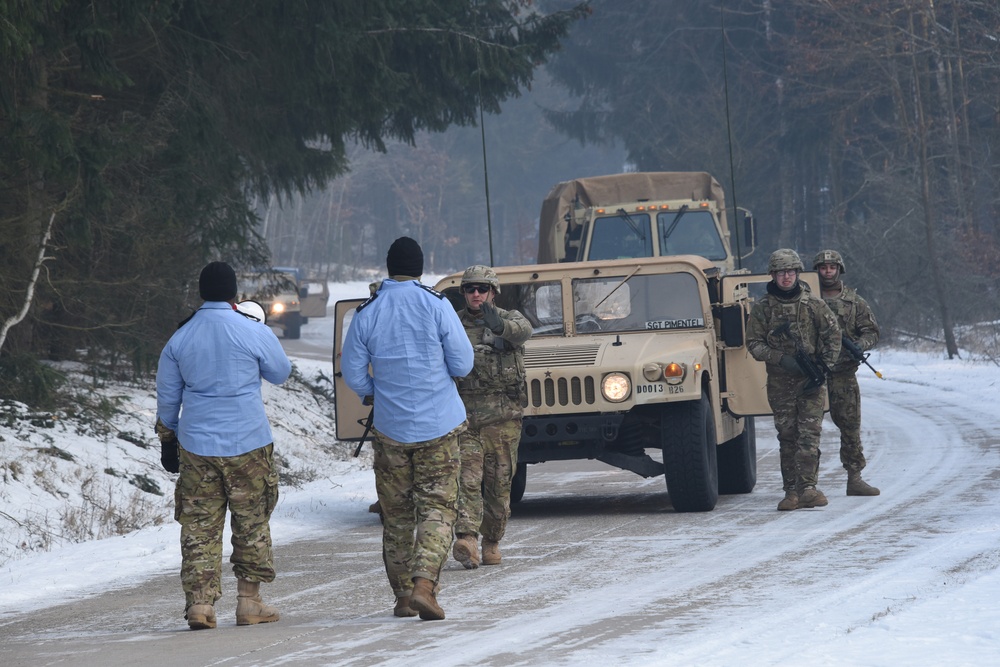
<point x="252" y="309"/>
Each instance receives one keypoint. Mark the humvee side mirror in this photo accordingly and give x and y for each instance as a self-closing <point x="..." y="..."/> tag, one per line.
<point x="732" y="325"/>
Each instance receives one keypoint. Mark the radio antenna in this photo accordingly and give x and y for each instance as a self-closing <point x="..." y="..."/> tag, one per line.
<point x="482" y="135"/>
<point x="729" y="132"/>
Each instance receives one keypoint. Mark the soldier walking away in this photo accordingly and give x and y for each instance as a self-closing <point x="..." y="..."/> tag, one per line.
<point x="221" y="444"/>
<point x="858" y="325"/>
<point x="493" y="394"/>
<point x="796" y="335"/>
<point x="411" y="338"/>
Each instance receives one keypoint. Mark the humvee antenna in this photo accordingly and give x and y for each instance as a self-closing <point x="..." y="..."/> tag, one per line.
<point x="729" y="132"/>
<point x="482" y="135"/>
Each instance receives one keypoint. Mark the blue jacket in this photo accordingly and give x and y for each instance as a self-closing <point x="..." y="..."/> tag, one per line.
<point x="212" y="366"/>
<point x="416" y="344"/>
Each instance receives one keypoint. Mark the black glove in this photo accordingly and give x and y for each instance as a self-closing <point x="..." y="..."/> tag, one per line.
<point x="169" y="456"/>
<point x="788" y="363"/>
<point x="491" y="317"/>
<point x="368" y="400"/>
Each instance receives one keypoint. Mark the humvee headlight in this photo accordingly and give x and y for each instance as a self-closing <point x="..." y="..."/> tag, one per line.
<point x="277" y="308"/>
<point x="616" y="387"/>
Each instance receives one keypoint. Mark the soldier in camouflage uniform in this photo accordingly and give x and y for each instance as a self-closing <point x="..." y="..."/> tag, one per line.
<point x="413" y="342"/>
<point x="222" y="446"/>
<point x="786" y="321"/>
<point x="493" y="394"/>
<point x="857" y="322"/>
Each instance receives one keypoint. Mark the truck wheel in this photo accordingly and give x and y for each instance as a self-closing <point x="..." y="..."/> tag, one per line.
<point x="293" y="326"/>
<point x="518" y="483"/>
<point x="738" y="461"/>
<point x="687" y="436"/>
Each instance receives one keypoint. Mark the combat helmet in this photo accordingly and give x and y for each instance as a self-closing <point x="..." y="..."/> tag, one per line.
<point x="784" y="259"/>
<point x="829" y="257"/>
<point x="480" y="273"/>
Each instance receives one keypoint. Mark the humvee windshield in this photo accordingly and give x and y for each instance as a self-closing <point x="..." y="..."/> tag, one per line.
<point x="607" y="304"/>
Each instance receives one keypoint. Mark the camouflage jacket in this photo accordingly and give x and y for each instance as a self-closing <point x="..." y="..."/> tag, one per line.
<point x="494" y="391"/>
<point x="857" y="322"/>
<point x="810" y="320"/>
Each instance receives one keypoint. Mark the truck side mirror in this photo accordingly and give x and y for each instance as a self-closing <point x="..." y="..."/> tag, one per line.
<point x="749" y="230"/>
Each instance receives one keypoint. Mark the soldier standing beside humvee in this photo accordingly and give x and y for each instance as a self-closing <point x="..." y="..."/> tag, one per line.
<point x="493" y="394"/>
<point x="858" y="325"/>
<point x="794" y="332"/>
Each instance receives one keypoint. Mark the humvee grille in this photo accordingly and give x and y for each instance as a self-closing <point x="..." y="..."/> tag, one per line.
<point x="567" y="355"/>
<point x="562" y="391"/>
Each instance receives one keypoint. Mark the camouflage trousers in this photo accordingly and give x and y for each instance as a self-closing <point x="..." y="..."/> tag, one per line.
<point x="489" y="459"/>
<point x="417" y="485"/>
<point x="248" y="486"/>
<point x="845" y="409"/>
<point x="798" y="419"/>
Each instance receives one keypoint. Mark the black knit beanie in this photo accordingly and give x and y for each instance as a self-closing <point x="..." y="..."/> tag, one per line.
<point x="405" y="258"/>
<point x="217" y="282"/>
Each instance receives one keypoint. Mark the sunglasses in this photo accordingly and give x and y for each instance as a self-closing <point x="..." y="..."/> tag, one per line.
<point x="472" y="289"/>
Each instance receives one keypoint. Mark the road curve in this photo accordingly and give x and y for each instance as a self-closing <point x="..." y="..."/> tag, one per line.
<point x="599" y="569"/>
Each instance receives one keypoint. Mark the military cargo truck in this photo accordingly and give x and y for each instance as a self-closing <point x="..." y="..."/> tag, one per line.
<point x="638" y="363"/>
<point x="645" y="214"/>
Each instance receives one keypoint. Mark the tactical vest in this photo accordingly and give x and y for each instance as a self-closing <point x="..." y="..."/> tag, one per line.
<point x="498" y="368"/>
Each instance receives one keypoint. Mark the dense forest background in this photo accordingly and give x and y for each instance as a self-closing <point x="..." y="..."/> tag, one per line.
<point x="871" y="128"/>
<point x="140" y="139"/>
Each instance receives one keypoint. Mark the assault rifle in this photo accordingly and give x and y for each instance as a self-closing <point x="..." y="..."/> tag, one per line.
<point x="368" y="429"/>
<point x="859" y="356"/>
<point x="814" y="371"/>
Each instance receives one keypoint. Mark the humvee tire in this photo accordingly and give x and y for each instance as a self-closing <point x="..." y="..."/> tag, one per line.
<point x="518" y="483"/>
<point x="738" y="461"/>
<point x="687" y="436"/>
<point x="293" y="326"/>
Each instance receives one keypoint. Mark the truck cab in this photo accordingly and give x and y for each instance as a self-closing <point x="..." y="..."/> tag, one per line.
<point x="648" y="214"/>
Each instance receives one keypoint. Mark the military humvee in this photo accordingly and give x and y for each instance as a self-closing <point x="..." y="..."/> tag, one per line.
<point x="628" y="356"/>
<point x="288" y="298"/>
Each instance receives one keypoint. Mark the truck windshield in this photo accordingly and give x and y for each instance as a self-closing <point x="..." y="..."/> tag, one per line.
<point x="694" y="233"/>
<point x="621" y="237"/>
<point x="643" y="303"/>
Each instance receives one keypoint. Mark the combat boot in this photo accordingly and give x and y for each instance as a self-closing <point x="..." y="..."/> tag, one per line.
<point x="491" y="552"/>
<point x="789" y="502"/>
<point x="424" y="600"/>
<point x="466" y="551"/>
<point x="812" y="497"/>
<point x="200" y="616"/>
<point x="859" y="487"/>
<point x="403" y="608"/>
<point x="250" y="609"/>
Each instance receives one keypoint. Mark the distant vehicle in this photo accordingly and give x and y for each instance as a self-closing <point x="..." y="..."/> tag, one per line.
<point x="288" y="298"/>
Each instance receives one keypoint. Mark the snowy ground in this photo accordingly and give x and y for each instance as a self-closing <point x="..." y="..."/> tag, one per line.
<point x="62" y="485"/>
